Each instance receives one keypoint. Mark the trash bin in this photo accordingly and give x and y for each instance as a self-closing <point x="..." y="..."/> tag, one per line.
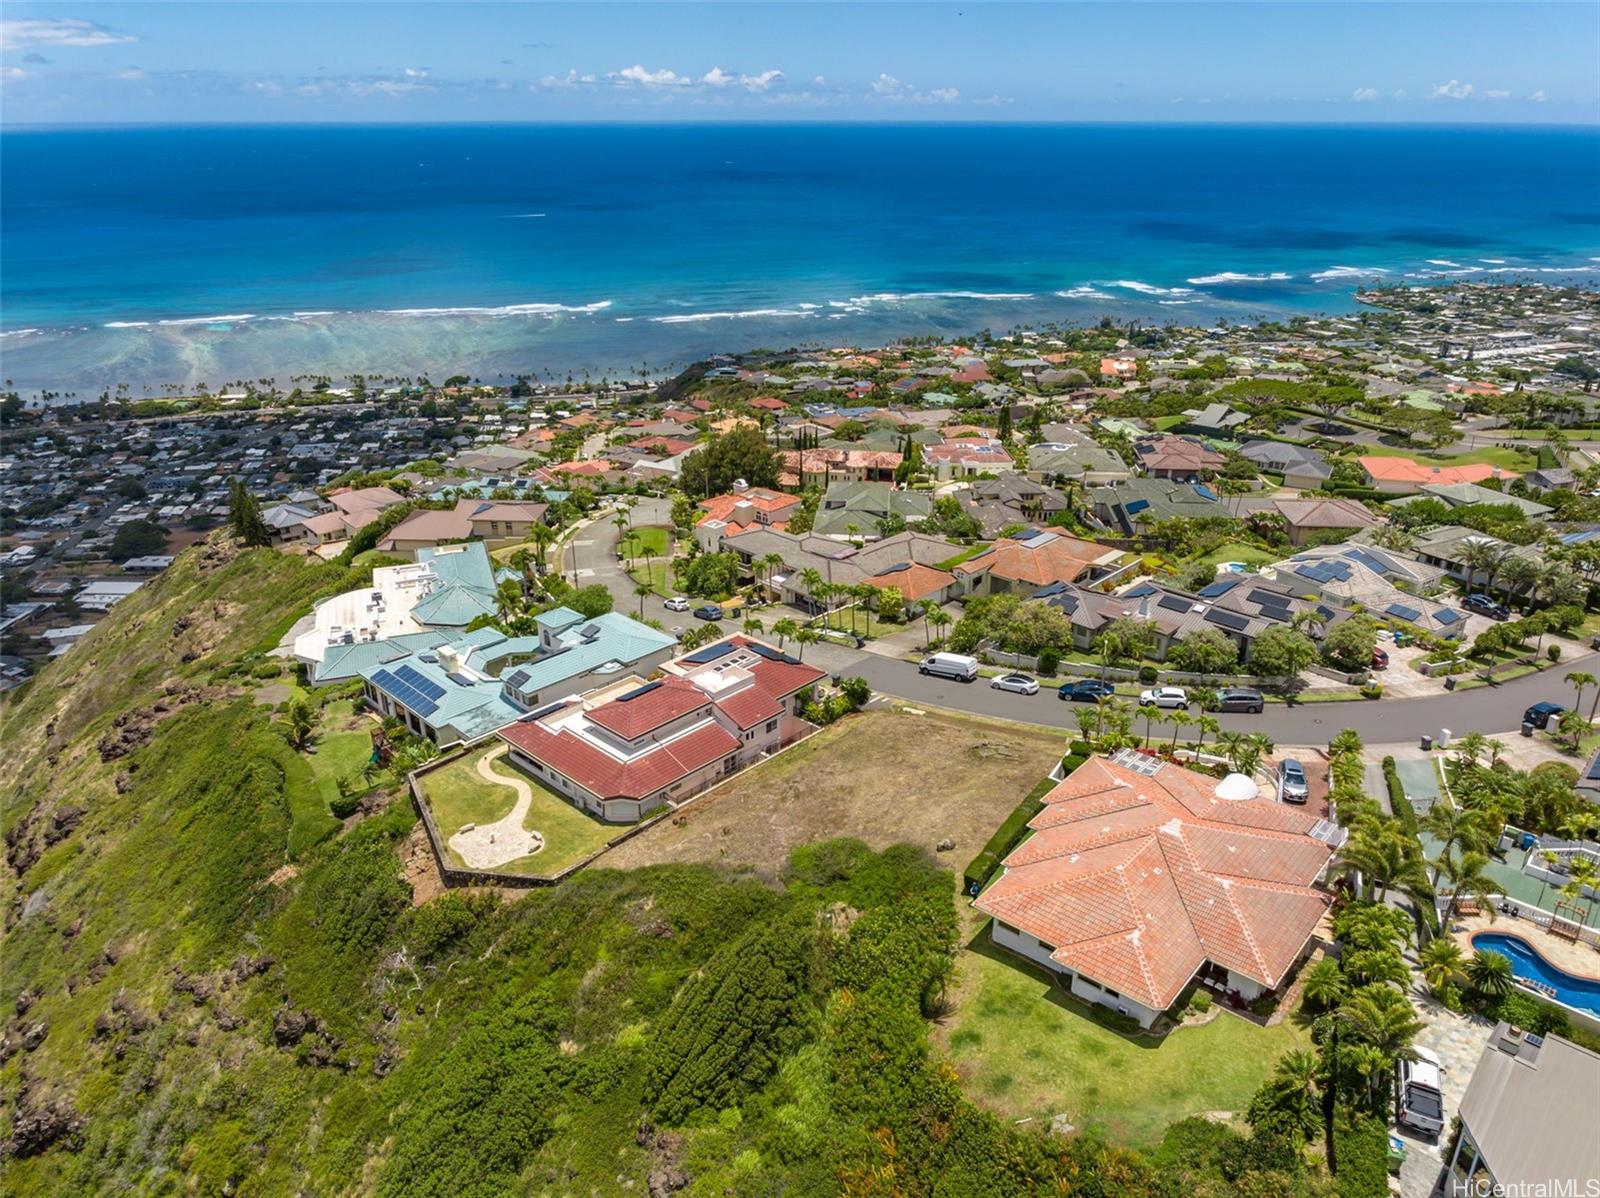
<point x="1527" y="728"/>
<point x="1427" y="743"/>
<point x="1444" y="738"/>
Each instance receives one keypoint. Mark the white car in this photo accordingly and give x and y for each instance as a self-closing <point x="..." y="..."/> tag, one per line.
<point x="1019" y="684"/>
<point x="1164" y="696"/>
<point x="676" y="603"/>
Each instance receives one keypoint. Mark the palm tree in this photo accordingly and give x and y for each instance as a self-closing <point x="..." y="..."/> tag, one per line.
<point x="1179" y="719"/>
<point x="1490" y="974"/>
<point x="753" y="627"/>
<point x="1383" y="1019"/>
<point x="1385" y="856"/>
<point x="939" y="618"/>
<point x="542" y="535"/>
<point x="1294" y="1092"/>
<point x="1206" y="724"/>
<point x="784" y="629"/>
<point x="771" y="563"/>
<point x="1466" y="877"/>
<point x="1581" y="680"/>
<point x="1471" y="746"/>
<point x="1325" y="984"/>
<point x="806" y="636"/>
<point x="1454" y="829"/>
<point x="1443" y="964"/>
<point x="1572" y="725"/>
<point x="1232" y="745"/>
<point x="1088" y="719"/>
<point x="811" y="580"/>
<point x="642" y="591"/>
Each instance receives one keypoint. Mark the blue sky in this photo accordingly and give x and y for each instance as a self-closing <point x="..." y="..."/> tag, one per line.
<point x="1412" y="62"/>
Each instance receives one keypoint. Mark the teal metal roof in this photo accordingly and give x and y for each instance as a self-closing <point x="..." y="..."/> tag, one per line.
<point x="453" y="606"/>
<point x="557" y="618"/>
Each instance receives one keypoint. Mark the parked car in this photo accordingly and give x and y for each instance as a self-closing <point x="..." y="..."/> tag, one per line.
<point x="1421" y="1102"/>
<point x="1017" y="684"/>
<point x="1380" y="659"/>
<point x="1240" y="698"/>
<point x="1164" y="696"/>
<point x="676" y="603"/>
<point x="1292" y="787"/>
<point x="708" y="611"/>
<point x="950" y="665"/>
<point x="1541" y="715"/>
<point x="1090" y="690"/>
<point x="1485" y="605"/>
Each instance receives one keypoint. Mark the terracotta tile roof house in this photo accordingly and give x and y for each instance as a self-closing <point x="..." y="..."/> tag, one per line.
<point x="966" y="455"/>
<point x="769" y="403"/>
<point x="1035" y="560"/>
<point x="1118" y="368"/>
<point x="623" y="750"/>
<point x="806" y="467"/>
<point x="1168" y="456"/>
<point x="1402" y="476"/>
<point x="666" y="446"/>
<point x="753" y="506"/>
<point x="1140" y="875"/>
<point x="914" y="581"/>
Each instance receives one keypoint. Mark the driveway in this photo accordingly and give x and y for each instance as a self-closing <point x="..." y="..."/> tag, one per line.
<point x="594" y="551"/>
<point x="1494" y="710"/>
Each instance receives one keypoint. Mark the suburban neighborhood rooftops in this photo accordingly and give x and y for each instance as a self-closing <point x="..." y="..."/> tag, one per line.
<point x="1409" y="471"/>
<point x="648" y="707"/>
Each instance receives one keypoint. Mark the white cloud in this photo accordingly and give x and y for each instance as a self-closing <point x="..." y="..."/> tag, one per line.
<point x="13" y="73"/>
<point x="636" y="75"/>
<point x="416" y="73"/>
<point x="1454" y="90"/>
<point x="819" y="81"/>
<point x="570" y="79"/>
<point x="1364" y="95"/>
<point x="716" y="77"/>
<point x="761" y="82"/>
<point x="887" y="85"/>
<point x="1497" y="94"/>
<point x="132" y="74"/>
<point x="994" y="101"/>
<point x="58" y="31"/>
<point x="944" y="95"/>
<point x="1539" y="97"/>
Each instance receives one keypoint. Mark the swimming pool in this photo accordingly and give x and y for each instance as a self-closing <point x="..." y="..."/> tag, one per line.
<point x="1582" y="994"/>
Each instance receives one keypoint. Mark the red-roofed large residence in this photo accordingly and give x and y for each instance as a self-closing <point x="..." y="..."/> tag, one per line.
<point x="749" y="507"/>
<point x="1141" y="877"/>
<point x="622" y="751"/>
<point x="1406" y="476"/>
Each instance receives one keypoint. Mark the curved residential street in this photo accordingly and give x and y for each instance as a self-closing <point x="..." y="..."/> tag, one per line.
<point x="1493" y="710"/>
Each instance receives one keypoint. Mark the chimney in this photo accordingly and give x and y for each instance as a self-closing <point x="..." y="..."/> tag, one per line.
<point x="449" y="659"/>
<point x="740" y="486"/>
<point x="1144" y="607"/>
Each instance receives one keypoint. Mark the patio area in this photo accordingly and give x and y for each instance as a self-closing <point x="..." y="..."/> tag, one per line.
<point x="1508" y="875"/>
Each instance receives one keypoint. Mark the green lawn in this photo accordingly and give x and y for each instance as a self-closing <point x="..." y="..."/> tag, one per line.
<point x="646" y="542"/>
<point x="1238" y="551"/>
<point x="864" y="624"/>
<point x="657" y="574"/>
<point x="458" y="796"/>
<point x="1507" y="459"/>
<point x="342" y="746"/>
<point x="1027" y="1049"/>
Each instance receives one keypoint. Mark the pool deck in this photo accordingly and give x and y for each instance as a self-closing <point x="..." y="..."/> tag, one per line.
<point x="1580" y="960"/>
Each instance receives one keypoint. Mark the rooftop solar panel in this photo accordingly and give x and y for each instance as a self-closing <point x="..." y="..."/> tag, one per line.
<point x="1228" y="619"/>
<point x="772" y="654"/>
<point x="638" y="691"/>
<point x="1402" y="611"/>
<point x="1220" y="587"/>
<point x="710" y="653"/>
<point x="1067" y="603"/>
<point x="1140" y="591"/>
<point x="1173" y="603"/>
<point x="1261" y="596"/>
<point x="420" y="681"/>
<point x="1594" y="769"/>
<point x="1445" y="616"/>
<point x="1371" y="560"/>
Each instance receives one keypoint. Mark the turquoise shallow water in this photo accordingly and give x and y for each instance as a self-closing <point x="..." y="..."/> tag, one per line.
<point x="210" y="254"/>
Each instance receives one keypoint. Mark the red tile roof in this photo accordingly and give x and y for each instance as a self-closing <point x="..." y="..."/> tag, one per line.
<point x="751" y="706"/>
<point x="1135" y="881"/>
<point x="721" y="507"/>
<point x="1406" y="470"/>
<point x="603" y="775"/>
<point x="915" y="580"/>
<point x="1058" y="558"/>
<point x="648" y="707"/>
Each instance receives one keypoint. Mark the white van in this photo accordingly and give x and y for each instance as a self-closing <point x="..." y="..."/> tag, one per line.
<point x="1421" y="1102"/>
<point x="950" y="665"/>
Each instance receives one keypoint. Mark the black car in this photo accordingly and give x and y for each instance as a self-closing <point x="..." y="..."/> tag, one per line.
<point x="1541" y="714"/>
<point x="708" y="611"/>
<point x="1484" y="605"/>
<point x="1090" y="690"/>
<point x="1239" y="698"/>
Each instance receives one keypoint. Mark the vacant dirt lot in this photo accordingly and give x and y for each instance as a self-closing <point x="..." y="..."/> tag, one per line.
<point x="885" y="776"/>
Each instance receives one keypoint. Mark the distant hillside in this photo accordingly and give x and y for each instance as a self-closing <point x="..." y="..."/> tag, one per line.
<point x="198" y="1001"/>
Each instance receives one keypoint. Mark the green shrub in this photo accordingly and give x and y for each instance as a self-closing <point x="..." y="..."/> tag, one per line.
<point x="1049" y="662"/>
<point x="1079" y="748"/>
<point x="1361" y="1146"/>
<point x="1201" y="1002"/>
<point x="1005" y="838"/>
<point x="1148" y="675"/>
<point x="271" y="668"/>
<point x="1553" y="652"/>
<point x="344" y="806"/>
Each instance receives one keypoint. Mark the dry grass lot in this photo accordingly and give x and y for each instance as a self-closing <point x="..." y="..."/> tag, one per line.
<point x="885" y="776"/>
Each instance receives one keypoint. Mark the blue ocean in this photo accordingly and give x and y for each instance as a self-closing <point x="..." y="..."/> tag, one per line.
<point x="176" y="256"/>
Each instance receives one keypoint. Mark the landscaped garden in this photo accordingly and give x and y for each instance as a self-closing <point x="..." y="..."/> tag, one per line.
<point x="1030" y="1051"/>
<point x="458" y="795"/>
<point x="343" y="745"/>
<point x="645" y="542"/>
<point x="1238" y="551"/>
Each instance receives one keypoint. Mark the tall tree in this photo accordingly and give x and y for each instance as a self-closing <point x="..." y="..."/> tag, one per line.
<point x="244" y="516"/>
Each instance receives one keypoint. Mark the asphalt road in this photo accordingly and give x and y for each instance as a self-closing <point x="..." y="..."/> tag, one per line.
<point x="1493" y="710"/>
<point x="595" y="551"/>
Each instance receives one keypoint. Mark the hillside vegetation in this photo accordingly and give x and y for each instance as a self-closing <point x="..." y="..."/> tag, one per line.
<point x="193" y="1008"/>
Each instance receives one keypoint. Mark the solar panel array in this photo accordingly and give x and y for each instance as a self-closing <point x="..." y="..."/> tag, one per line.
<point x="1140" y="591"/>
<point x="1370" y="560"/>
<point x="1403" y="612"/>
<point x="403" y="692"/>
<point x="1139" y="763"/>
<point x="710" y="653"/>
<point x="1325" y="572"/>
<point x="638" y="691"/>
<point x="1173" y="603"/>
<point x="1221" y="587"/>
<point x="1228" y="619"/>
<point x="421" y="682"/>
<point x="772" y="654"/>
<point x="1445" y="616"/>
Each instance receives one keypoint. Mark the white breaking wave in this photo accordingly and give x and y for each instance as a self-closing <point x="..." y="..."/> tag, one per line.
<point x="1229" y="276"/>
<point x="1347" y="272"/>
<point x="525" y="216"/>
<point x="686" y="317"/>
<point x="1443" y="262"/>
<point x="506" y="310"/>
<point x="20" y="333"/>
<point x="1493" y="261"/>
<point x="1082" y="293"/>
<point x="178" y="322"/>
<point x="1149" y="288"/>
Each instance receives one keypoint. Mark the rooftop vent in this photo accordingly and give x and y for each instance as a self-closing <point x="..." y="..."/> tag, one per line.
<point x="1237" y="787"/>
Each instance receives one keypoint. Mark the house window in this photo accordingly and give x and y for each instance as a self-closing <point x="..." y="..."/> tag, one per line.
<point x="772" y="725"/>
<point x="730" y="764"/>
<point x="1109" y="992"/>
<point x="749" y="735"/>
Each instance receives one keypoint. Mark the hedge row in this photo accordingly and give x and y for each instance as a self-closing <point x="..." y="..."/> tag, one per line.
<point x="1015" y="825"/>
<point x="1361" y="1148"/>
<point x="1406" y="816"/>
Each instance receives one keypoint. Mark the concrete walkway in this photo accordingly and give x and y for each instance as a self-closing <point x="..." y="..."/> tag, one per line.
<point x="486" y="846"/>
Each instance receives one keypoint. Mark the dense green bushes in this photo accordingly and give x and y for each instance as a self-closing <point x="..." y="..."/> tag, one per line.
<point x="1005" y="838"/>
